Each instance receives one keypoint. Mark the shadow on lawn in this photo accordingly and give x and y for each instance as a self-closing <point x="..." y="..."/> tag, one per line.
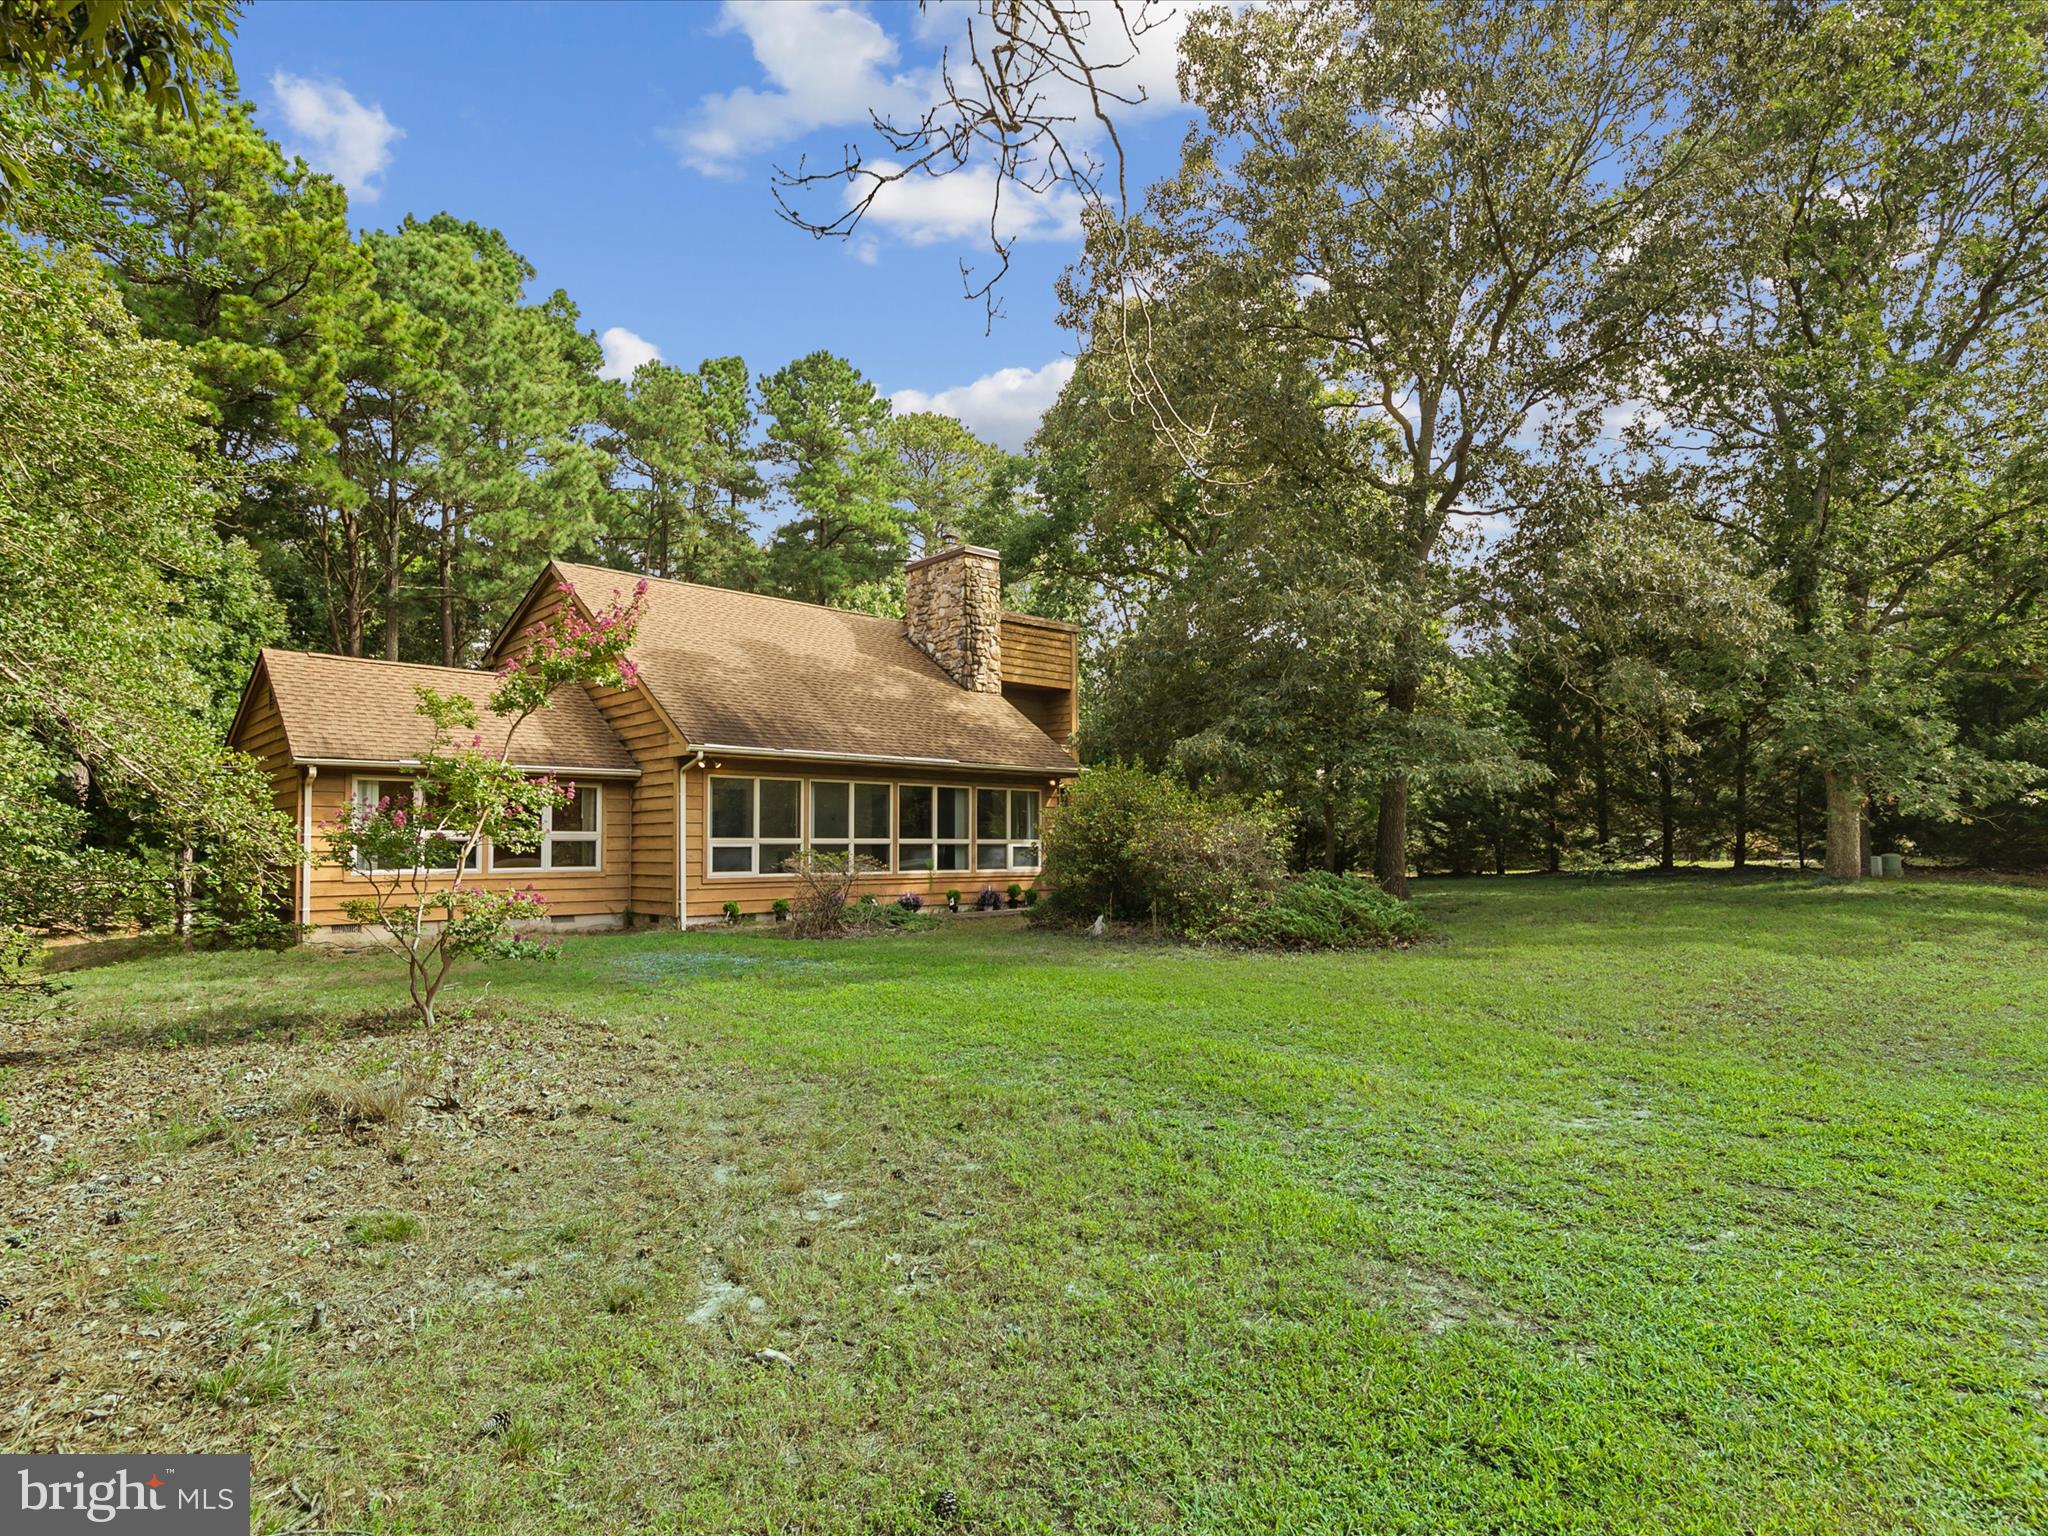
<point x="231" y="1025"/>
<point x="1807" y="917"/>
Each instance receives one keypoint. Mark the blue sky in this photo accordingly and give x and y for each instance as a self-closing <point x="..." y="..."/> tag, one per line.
<point x="626" y="150"/>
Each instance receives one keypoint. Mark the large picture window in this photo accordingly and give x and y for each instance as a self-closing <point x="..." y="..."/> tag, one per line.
<point x="851" y="819"/>
<point x="1005" y="829"/>
<point x="405" y="792"/>
<point x="932" y="830"/>
<point x="756" y="824"/>
<point x="569" y="837"/>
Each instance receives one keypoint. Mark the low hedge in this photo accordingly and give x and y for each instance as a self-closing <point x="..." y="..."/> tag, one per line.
<point x="1324" y="911"/>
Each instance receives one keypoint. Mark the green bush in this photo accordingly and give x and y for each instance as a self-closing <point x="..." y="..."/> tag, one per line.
<point x="1140" y="848"/>
<point x="1325" y="911"/>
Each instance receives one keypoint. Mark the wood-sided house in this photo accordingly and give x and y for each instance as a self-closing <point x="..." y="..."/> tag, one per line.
<point x="926" y="745"/>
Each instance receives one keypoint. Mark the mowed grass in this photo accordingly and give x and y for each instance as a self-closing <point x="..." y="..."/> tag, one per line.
<point x="1696" y="1205"/>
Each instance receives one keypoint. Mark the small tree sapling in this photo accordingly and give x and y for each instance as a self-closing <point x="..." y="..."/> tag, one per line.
<point x="415" y="852"/>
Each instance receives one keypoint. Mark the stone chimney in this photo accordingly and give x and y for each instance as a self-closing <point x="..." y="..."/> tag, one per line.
<point x="953" y="612"/>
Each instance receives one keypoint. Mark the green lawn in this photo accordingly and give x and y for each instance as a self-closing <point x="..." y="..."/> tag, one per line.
<point x="1701" y="1205"/>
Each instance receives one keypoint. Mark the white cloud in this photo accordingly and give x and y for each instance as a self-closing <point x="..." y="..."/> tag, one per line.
<point x="832" y="63"/>
<point x="335" y="132"/>
<point x="826" y="62"/>
<point x="624" y="352"/>
<point x="1004" y="406"/>
<point x="927" y="209"/>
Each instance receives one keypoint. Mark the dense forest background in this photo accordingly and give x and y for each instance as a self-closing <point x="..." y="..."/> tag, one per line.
<point x="1554" y="437"/>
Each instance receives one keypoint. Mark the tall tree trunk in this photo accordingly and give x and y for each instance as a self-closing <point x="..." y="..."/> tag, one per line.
<point x="1553" y="850"/>
<point x="187" y="895"/>
<point x="444" y="578"/>
<point x="1390" y="845"/>
<point x="1601" y="818"/>
<point x="1666" y="817"/>
<point x="1742" y="794"/>
<point x="1845" y="825"/>
<point x="1331" y="859"/>
<point x="1799" y="817"/>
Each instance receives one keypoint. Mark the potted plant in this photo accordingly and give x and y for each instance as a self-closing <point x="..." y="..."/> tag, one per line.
<point x="732" y="913"/>
<point x="781" y="909"/>
<point x="1031" y="896"/>
<point x="1016" y="894"/>
<point x="990" y="899"/>
<point x="952" y="901"/>
<point x="910" y="901"/>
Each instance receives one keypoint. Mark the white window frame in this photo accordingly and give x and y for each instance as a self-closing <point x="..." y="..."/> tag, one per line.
<point x="853" y="838"/>
<point x="936" y="842"/>
<point x="593" y="794"/>
<point x="713" y="843"/>
<point x="473" y="866"/>
<point x="1013" y="839"/>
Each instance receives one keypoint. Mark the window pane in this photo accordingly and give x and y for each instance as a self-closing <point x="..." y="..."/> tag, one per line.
<point x="580" y="814"/>
<point x="991" y="813"/>
<point x="876" y="854"/>
<point x="1023" y="813"/>
<point x="953" y="813"/>
<point x="781" y="804"/>
<point x="828" y="813"/>
<point x="732" y="808"/>
<point x="914" y="812"/>
<point x="992" y="856"/>
<point x="952" y="855"/>
<point x="502" y="858"/>
<point x="732" y="861"/>
<point x="870" y="810"/>
<point x="914" y="856"/>
<point x="773" y="855"/>
<point x="1024" y="856"/>
<point x="573" y="853"/>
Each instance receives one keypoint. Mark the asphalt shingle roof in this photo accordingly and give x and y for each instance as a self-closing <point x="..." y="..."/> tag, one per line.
<point x="351" y="709"/>
<point x="739" y="670"/>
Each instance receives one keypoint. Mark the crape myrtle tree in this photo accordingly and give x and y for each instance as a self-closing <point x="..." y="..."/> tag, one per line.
<point x="1858" y="370"/>
<point x="414" y="853"/>
<point x="1435" y="201"/>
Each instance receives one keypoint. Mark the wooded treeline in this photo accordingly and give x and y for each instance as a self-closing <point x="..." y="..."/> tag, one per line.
<point x="1552" y="435"/>
<point x="412" y="430"/>
<point x="1573" y="434"/>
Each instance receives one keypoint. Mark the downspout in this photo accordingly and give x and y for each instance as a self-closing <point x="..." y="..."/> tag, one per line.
<point x="306" y="778"/>
<point x="683" y="840"/>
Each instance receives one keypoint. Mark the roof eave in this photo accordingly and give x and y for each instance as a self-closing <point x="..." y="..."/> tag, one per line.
<point x="413" y="762"/>
<point x="1069" y="770"/>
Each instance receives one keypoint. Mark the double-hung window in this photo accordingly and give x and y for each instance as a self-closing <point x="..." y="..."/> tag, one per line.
<point x="569" y="837"/>
<point x="405" y="794"/>
<point x="756" y="824"/>
<point x="1005" y="829"/>
<point x="931" y="827"/>
<point x="851" y="820"/>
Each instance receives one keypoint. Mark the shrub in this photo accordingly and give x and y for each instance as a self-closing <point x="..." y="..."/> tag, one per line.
<point x="824" y="890"/>
<point x="731" y="910"/>
<point x="990" y="899"/>
<point x="910" y="901"/>
<point x="1140" y="848"/>
<point x="1324" y="911"/>
<point x="780" y="908"/>
<point x="1031" y="897"/>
